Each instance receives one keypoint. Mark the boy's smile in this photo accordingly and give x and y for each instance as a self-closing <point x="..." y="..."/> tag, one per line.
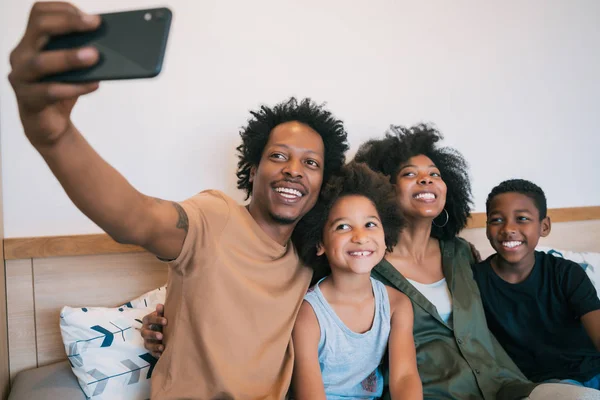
<point x="514" y="229"/>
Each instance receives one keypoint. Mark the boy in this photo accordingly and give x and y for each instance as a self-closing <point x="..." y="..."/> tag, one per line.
<point x="543" y="310"/>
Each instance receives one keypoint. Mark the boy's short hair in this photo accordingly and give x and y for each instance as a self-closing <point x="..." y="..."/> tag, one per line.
<point x="524" y="187"/>
<point x="353" y="179"/>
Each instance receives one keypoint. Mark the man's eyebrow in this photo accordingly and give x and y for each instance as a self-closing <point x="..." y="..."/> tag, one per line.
<point x="288" y="147"/>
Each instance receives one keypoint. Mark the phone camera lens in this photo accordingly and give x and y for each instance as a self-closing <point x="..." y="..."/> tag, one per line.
<point x="160" y="15"/>
<point x="147" y="16"/>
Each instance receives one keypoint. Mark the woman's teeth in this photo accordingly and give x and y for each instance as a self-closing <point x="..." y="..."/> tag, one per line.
<point x="425" y="196"/>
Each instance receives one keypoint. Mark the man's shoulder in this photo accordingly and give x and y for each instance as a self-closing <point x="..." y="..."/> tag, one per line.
<point x="211" y="195"/>
<point x="210" y="200"/>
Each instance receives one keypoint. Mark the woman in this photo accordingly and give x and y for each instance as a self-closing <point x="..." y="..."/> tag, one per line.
<point x="457" y="356"/>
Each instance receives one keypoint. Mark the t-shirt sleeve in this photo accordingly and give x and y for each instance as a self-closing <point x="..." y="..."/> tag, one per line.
<point x="580" y="291"/>
<point x="208" y="213"/>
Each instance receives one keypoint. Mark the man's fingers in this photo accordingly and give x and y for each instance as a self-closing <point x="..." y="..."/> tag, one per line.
<point x="53" y="6"/>
<point x="154" y="319"/>
<point x="147" y="316"/>
<point x="151" y="335"/>
<point x="54" y="62"/>
<point x="37" y="96"/>
<point x="57" y="20"/>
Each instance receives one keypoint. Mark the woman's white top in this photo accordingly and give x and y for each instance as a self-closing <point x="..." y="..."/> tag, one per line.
<point x="438" y="294"/>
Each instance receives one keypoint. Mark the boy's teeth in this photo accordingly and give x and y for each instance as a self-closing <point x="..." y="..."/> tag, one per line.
<point x="428" y="196"/>
<point x="512" y="244"/>
<point x="289" y="193"/>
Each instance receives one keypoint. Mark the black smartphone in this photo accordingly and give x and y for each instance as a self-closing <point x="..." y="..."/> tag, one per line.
<point x="131" y="44"/>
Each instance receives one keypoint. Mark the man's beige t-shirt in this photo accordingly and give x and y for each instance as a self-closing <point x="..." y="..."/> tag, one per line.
<point x="232" y="298"/>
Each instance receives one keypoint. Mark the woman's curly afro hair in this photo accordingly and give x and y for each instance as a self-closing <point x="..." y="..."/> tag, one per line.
<point x="400" y="144"/>
<point x="353" y="179"/>
<point x="256" y="135"/>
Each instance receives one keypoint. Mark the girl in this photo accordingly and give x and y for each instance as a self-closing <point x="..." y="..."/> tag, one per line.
<point x="343" y="326"/>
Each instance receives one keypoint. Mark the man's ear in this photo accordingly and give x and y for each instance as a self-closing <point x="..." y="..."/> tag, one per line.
<point x="545" y="227"/>
<point x="320" y="249"/>
<point x="252" y="173"/>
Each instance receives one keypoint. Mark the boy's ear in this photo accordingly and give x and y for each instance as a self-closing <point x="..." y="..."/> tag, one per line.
<point x="546" y="226"/>
<point x="252" y="173"/>
<point x="320" y="249"/>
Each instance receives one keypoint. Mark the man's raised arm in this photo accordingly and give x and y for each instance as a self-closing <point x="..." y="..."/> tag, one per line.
<point x="95" y="187"/>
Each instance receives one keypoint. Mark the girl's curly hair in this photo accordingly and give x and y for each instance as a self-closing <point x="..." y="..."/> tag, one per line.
<point x="256" y="135"/>
<point x="353" y="179"/>
<point x="400" y="144"/>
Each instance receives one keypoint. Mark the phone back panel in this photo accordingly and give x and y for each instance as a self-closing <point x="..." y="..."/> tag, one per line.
<point x="131" y="44"/>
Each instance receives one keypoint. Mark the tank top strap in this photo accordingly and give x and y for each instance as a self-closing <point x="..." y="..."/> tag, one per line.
<point x="381" y="299"/>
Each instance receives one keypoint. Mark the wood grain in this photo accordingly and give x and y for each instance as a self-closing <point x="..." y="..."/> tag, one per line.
<point x="78" y="245"/>
<point x="4" y="366"/>
<point x="87" y="281"/>
<point x="579" y="236"/>
<point x="569" y="214"/>
<point x="60" y="246"/>
<point x="21" y="316"/>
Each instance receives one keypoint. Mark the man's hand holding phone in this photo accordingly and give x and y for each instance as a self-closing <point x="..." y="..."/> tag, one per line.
<point x="45" y="107"/>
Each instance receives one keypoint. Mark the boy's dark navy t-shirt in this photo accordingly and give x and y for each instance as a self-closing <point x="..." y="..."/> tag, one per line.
<point x="537" y="321"/>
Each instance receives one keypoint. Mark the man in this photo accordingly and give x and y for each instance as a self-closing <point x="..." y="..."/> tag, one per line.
<point x="235" y="281"/>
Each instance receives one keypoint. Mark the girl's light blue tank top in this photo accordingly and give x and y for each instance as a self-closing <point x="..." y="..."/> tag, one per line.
<point x="350" y="362"/>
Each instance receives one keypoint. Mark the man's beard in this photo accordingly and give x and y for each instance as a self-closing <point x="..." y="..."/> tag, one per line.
<point x="283" y="220"/>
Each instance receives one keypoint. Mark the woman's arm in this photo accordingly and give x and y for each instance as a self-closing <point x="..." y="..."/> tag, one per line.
<point x="404" y="380"/>
<point x="307" y="382"/>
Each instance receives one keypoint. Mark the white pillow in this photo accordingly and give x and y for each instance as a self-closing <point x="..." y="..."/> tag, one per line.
<point x="106" y="350"/>
<point x="150" y="299"/>
<point x="589" y="261"/>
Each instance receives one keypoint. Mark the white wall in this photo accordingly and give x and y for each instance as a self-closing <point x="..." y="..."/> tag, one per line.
<point x="514" y="85"/>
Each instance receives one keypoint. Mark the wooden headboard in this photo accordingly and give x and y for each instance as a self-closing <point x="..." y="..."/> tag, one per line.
<point x="44" y="274"/>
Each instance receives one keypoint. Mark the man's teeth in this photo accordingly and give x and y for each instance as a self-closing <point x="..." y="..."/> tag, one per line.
<point x="288" y="193"/>
<point x="512" y="244"/>
<point x="426" y="196"/>
<point x="360" y="253"/>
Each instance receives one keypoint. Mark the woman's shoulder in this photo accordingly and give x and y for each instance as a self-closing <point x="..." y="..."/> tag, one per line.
<point x="462" y="249"/>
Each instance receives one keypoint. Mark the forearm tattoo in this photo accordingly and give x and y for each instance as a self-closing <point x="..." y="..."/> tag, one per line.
<point x="182" y="222"/>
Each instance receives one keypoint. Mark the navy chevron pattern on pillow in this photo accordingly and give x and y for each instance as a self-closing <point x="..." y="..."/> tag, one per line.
<point x="107" y="352"/>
